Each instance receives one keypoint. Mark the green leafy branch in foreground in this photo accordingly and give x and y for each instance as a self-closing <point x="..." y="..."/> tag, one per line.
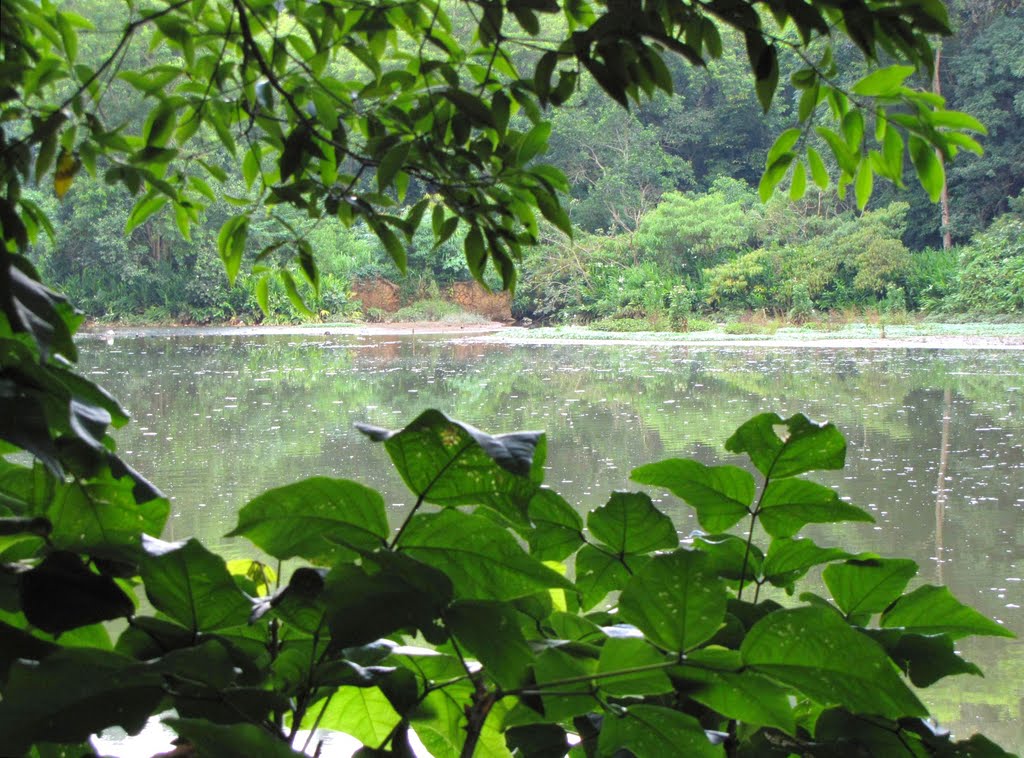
<point x="464" y="627"/>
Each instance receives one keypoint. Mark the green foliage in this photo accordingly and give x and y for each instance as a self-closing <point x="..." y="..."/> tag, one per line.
<point x="475" y="617"/>
<point x="482" y="623"/>
<point x="991" y="270"/>
<point x="687" y="233"/>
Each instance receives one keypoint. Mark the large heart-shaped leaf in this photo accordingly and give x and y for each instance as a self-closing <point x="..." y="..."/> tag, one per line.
<point x="103" y="515"/>
<point x="192" y="585"/>
<point x="721" y="495"/>
<point x="789" y="504"/>
<point x="781" y="448"/>
<point x="650" y="731"/>
<point x="365" y="603"/>
<point x="483" y="560"/>
<point x="74" y="693"/>
<point x="629" y="523"/>
<point x="675" y="600"/>
<point x="814" y="651"/>
<point x="934" y="610"/>
<point x="868" y="585"/>
<point x="790" y="559"/>
<point x="314" y="519"/>
<point x="450" y="463"/>
<point x="231" y="740"/>
<point x="491" y="632"/>
<point x="61" y="594"/>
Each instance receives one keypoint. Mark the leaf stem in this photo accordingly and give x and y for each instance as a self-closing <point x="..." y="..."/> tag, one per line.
<point x="750" y="536"/>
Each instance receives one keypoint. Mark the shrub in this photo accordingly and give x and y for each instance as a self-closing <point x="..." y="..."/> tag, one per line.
<point x="991" y="275"/>
<point x="467" y="627"/>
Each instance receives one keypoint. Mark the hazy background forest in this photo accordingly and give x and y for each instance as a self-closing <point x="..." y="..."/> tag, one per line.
<point x="670" y="232"/>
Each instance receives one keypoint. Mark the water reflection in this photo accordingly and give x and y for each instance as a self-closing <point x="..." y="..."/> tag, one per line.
<point x="936" y="440"/>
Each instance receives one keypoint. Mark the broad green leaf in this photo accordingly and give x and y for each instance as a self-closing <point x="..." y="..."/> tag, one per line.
<point x="533" y="143"/>
<point x="231" y="740"/>
<point x="957" y="120"/>
<point x="884" y="82"/>
<point x="598" y="573"/>
<point x="626" y="654"/>
<point x="160" y="123"/>
<point x="103" y="515"/>
<point x="862" y="736"/>
<point x="538" y="740"/>
<point x="361" y="712"/>
<point x="391" y="164"/>
<point x="802" y="445"/>
<point x="934" y="610"/>
<point x="629" y="523"/>
<point x="557" y="528"/>
<point x="441" y="725"/>
<point x="773" y="175"/>
<point x="552" y="210"/>
<point x="315" y="519"/>
<point x="192" y="585"/>
<point x="483" y="560"/>
<point x="73" y="694"/>
<point x="844" y="155"/>
<point x="450" y="463"/>
<point x="675" y="600"/>
<point x="924" y="658"/>
<point x="145" y="207"/>
<point x="789" y="504"/>
<point x="814" y="651"/>
<point x="746" y="697"/>
<point x="231" y="244"/>
<point x="863" y="184"/>
<point x="818" y="171"/>
<point x="292" y="291"/>
<point x="60" y="594"/>
<point x="18" y="644"/>
<point x="552" y="671"/>
<point x="929" y="168"/>
<point x="721" y="495"/>
<point x="783" y="144"/>
<point x="789" y="559"/>
<point x="868" y="585"/>
<point x="798" y="185"/>
<point x="729" y="556"/>
<point x="491" y="633"/>
<point x="367" y="602"/>
<point x="650" y="731"/>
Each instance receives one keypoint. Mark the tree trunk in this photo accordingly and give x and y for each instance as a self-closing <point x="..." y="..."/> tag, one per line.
<point x="947" y="232"/>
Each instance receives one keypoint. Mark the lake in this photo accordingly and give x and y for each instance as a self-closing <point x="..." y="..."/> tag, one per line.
<point x="936" y="441"/>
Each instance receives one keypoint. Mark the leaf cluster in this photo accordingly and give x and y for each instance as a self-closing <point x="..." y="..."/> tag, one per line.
<point x="495" y="620"/>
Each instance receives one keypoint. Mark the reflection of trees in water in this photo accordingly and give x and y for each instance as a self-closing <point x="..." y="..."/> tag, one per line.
<point x="230" y="417"/>
<point x="941" y="490"/>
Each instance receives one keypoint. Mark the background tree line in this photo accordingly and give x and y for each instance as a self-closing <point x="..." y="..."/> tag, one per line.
<point x="662" y="197"/>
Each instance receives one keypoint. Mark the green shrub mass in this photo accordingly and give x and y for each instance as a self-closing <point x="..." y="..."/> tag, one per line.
<point x="661" y="196"/>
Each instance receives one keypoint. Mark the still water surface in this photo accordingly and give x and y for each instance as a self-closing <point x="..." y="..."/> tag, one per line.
<point x="936" y="441"/>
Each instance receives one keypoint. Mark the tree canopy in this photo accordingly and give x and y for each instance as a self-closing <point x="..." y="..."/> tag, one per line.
<point x="385" y="111"/>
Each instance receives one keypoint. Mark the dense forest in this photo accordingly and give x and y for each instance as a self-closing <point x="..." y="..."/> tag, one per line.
<point x="669" y="229"/>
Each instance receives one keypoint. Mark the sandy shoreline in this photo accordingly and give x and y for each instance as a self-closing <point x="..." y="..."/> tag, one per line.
<point x="498" y="332"/>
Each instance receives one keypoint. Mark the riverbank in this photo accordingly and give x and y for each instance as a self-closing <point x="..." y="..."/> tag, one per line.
<point x="919" y="335"/>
